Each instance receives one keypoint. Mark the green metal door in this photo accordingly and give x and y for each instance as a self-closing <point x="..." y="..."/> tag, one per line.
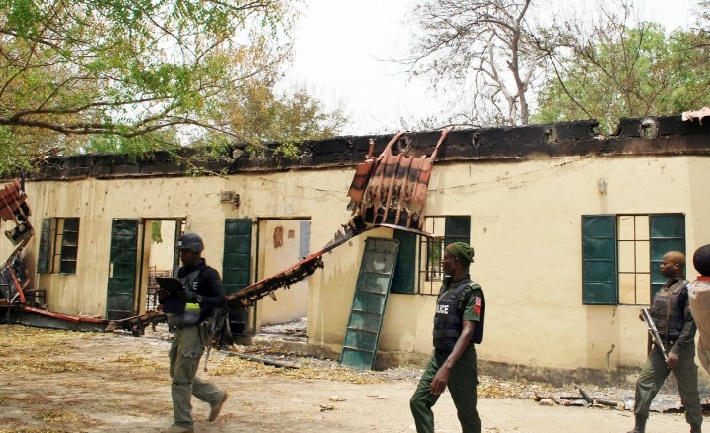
<point x="371" y="291"/>
<point x="122" y="269"/>
<point x="236" y="267"/>
<point x="237" y="255"/>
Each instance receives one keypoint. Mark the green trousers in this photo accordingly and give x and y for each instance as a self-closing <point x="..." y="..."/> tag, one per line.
<point x="463" y="384"/>
<point x="653" y="376"/>
<point x="185" y="355"/>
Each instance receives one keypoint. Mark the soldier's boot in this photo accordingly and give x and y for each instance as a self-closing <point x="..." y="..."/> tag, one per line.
<point x="216" y="408"/>
<point x="695" y="428"/>
<point x="640" y="426"/>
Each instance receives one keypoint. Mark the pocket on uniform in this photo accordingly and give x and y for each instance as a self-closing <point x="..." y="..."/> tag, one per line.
<point x="190" y="355"/>
<point x="186" y="367"/>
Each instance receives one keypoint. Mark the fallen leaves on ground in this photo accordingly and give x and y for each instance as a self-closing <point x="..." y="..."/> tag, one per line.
<point x="46" y="345"/>
<point x="139" y="362"/>
<point x="234" y="365"/>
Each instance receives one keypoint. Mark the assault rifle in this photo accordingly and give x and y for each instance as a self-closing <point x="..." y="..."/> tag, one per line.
<point x="217" y="324"/>
<point x="653" y="331"/>
<point x="210" y="330"/>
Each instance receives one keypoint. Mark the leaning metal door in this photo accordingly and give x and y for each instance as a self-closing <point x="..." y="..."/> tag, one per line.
<point x="362" y="335"/>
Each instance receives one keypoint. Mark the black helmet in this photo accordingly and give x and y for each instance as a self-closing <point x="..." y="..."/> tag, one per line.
<point x="190" y="241"/>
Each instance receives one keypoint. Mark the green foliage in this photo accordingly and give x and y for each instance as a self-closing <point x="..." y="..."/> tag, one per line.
<point x="259" y="116"/>
<point x="136" y="76"/>
<point x="626" y="72"/>
<point x="12" y="159"/>
<point x="156" y="234"/>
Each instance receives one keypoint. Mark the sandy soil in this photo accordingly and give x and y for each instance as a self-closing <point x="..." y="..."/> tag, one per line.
<point x="61" y="382"/>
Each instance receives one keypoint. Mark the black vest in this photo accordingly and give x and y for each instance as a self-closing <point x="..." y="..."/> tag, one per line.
<point x="668" y="309"/>
<point x="448" y="320"/>
<point x="188" y="282"/>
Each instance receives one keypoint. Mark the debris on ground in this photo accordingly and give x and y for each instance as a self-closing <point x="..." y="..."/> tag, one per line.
<point x="270" y="363"/>
<point x="295" y="328"/>
<point x="611" y="398"/>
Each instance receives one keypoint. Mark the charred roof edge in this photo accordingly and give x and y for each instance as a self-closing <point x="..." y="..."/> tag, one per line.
<point x="647" y="136"/>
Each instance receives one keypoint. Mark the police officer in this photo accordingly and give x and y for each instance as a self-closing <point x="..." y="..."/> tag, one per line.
<point x="458" y="324"/>
<point x="676" y="326"/>
<point x="189" y="312"/>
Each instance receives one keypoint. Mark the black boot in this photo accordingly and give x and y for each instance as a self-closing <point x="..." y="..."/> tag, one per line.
<point x="640" y="426"/>
<point x="695" y="428"/>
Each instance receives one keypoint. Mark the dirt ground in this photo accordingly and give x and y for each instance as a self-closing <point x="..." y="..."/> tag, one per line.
<point x="61" y="382"/>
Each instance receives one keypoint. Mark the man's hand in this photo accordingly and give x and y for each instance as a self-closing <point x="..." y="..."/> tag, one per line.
<point x="189" y="296"/>
<point x="438" y="385"/>
<point x="672" y="360"/>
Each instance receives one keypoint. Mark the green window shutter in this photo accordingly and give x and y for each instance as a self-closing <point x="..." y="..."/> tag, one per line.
<point x="43" y="255"/>
<point x="667" y="234"/>
<point x="403" y="279"/>
<point x="457" y="229"/>
<point x="599" y="281"/>
<point x="236" y="264"/>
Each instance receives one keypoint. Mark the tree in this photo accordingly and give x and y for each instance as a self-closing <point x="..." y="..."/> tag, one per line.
<point x="133" y="76"/>
<point x="481" y="51"/>
<point x="257" y="114"/>
<point x="614" y="70"/>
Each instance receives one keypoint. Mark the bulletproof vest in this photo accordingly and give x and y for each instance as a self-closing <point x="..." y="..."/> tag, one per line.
<point x="448" y="320"/>
<point x="192" y="310"/>
<point x="188" y="282"/>
<point x="667" y="312"/>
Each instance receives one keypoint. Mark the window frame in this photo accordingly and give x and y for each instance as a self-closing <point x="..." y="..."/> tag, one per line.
<point x="600" y="239"/>
<point x="425" y="277"/>
<point x="59" y="246"/>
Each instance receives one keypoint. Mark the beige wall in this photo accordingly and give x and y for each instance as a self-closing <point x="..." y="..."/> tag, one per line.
<point x="97" y="202"/>
<point x="525" y="229"/>
<point x="527" y="234"/>
<point x="275" y="256"/>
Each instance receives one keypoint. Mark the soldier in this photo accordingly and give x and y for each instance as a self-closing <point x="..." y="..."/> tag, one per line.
<point x="676" y="326"/>
<point x="458" y="324"/>
<point x="189" y="312"/>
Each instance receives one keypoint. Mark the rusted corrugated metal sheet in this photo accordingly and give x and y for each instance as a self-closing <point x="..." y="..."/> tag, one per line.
<point x="392" y="188"/>
<point x="13" y="207"/>
<point x="291" y="275"/>
<point x="388" y="191"/>
<point x="285" y="278"/>
<point x="12" y="202"/>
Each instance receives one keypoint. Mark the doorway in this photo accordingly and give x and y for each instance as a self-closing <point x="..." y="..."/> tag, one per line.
<point x="137" y="247"/>
<point x="281" y="243"/>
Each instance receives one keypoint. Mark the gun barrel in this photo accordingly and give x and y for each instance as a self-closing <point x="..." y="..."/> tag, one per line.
<point x="655" y="335"/>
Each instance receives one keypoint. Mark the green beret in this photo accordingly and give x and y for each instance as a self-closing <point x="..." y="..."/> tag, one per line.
<point x="462" y="251"/>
